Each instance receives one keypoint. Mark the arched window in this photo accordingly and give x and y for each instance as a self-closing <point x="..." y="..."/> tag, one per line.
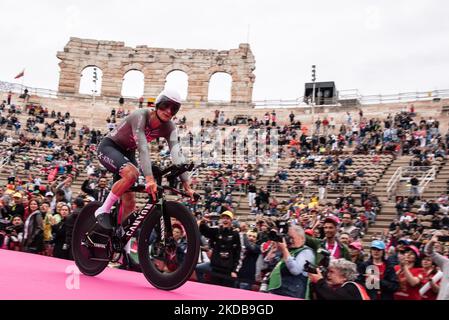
<point x="133" y="84"/>
<point x="91" y="79"/>
<point x="179" y="81"/>
<point x="220" y="85"/>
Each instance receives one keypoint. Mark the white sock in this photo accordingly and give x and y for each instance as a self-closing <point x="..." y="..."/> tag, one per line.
<point x="107" y="205"/>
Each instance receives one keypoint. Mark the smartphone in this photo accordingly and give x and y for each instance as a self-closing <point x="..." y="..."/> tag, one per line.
<point x="443" y="238"/>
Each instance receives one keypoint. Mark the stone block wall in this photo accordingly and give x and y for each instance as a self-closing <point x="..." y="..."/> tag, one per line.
<point x="115" y="60"/>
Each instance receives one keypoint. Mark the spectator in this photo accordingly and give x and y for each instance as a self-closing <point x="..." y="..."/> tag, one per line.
<point x="414" y="191"/>
<point x="251" y="251"/>
<point x="33" y="241"/>
<point x="65" y="186"/>
<point x="344" y="238"/>
<point x="330" y="243"/>
<point x="252" y="197"/>
<point x="77" y="206"/>
<point x="263" y="199"/>
<point x="429" y="270"/>
<point x="17" y="207"/>
<point x="225" y="244"/>
<point x="98" y="191"/>
<point x="378" y="274"/>
<point x="61" y="248"/>
<point x="288" y="277"/>
<point x="356" y="252"/>
<point x="292" y="117"/>
<point x="347" y="226"/>
<point x="14" y="234"/>
<point x="442" y="262"/>
<point x="408" y="272"/>
<point x="340" y="284"/>
<point x="59" y="197"/>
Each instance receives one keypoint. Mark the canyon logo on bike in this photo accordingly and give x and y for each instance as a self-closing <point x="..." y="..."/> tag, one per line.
<point x="143" y="213"/>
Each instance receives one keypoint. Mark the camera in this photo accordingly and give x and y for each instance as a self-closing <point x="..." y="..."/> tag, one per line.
<point x="323" y="265"/>
<point x="281" y="232"/>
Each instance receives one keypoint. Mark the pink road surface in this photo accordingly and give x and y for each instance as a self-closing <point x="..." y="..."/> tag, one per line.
<point x="26" y="276"/>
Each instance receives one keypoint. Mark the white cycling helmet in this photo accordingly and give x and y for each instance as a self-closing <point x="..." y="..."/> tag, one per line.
<point x="169" y="98"/>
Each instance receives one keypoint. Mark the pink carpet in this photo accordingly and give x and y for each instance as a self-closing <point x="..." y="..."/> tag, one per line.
<point x="29" y="276"/>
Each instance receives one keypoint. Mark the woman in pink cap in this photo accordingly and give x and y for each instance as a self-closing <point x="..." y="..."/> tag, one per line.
<point x="408" y="272"/>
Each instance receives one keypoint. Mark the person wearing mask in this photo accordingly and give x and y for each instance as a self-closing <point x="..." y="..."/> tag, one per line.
<point x="378" y="274"/>
<point x="442" y="262"/>
<point x="225" y="244"/>
<point x="339" y="283"/>
<point x="288" y="277"/>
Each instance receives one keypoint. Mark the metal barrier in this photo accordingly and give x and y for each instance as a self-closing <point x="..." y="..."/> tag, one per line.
<point x="392" y="183"/>
<point x="425" y="174"/>
<point x="4" y="161"/>
<point x="344" y="97"/>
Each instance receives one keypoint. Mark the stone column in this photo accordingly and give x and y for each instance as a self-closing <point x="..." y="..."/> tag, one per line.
<point x="69" y="81"/>
<point x="198" y="86"/>
<point x="242" y="90"/>
<point x="112" y="82"/>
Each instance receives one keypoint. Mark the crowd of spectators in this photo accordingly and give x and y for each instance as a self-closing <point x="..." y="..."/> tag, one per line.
<point x="275" y="253"/>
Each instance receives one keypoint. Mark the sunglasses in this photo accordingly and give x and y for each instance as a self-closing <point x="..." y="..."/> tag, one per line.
<point x="170" y="105"/>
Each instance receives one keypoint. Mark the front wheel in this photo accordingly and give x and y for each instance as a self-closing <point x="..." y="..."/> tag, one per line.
<point x="168" y="258"/>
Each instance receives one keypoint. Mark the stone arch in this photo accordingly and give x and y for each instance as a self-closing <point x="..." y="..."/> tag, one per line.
<point x="133" y="67"/>
<point x="133" y="85"/>
<point x="86" y="83"/>
<point x="178" y="80"/>
<point x="220" y="87"/>
<point x="176" y="67"/>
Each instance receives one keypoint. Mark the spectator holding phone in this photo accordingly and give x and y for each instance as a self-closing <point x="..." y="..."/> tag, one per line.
<point x="442" y="262"/>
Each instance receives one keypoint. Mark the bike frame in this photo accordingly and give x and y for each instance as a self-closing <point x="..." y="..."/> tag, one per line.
<point x="125" y="231"/>
<point x="129" y="227"/>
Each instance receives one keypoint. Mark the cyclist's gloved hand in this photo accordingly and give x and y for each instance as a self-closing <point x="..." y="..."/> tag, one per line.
<point x="151" y="187"/>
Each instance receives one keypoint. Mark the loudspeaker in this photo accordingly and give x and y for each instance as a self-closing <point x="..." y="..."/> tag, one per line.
<point x="325" y="93"/>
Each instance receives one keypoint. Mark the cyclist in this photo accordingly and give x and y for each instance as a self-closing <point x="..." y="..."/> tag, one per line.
<point x="117" y="153"/>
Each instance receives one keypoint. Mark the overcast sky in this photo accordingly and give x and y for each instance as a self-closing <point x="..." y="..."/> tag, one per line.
<point x="374" y="46"/>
